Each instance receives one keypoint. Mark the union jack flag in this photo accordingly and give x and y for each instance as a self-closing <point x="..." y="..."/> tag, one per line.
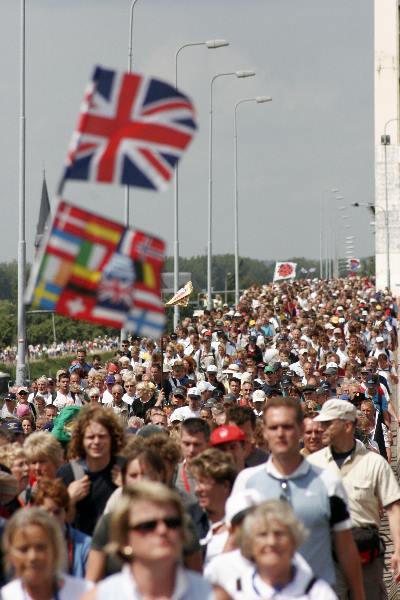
<point x="131" y="130"/>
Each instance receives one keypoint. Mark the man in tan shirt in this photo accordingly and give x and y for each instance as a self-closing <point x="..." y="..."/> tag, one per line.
<point x="369" y="483"/>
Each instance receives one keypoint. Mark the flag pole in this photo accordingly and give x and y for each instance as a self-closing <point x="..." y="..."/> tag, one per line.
<point x="127" y="204"/>
<point x="20" y="375"/>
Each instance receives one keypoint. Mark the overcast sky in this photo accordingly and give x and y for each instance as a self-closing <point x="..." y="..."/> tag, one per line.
<point x="314" y="57"/>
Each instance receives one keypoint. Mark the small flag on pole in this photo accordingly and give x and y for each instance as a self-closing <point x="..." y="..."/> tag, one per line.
<point x="92" y="269"/>
<point x="354" y="264"/>
<point x="44" y="215"/>
<point x="181" y="297"/>
<point x="285" y="270"/>
<point x="132" y="130"/>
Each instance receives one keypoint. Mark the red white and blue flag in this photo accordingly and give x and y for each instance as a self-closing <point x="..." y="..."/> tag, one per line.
<point x="132" y="130"/>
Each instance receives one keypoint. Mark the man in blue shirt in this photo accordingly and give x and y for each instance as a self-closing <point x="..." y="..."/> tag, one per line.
<point x="317" y="496"/>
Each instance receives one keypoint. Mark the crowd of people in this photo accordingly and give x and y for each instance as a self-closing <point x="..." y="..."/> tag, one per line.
<point x="245" y="455"/>
<point x="8" y="354"/>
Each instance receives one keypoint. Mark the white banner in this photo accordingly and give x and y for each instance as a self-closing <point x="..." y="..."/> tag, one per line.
<point x="285" y="270"/>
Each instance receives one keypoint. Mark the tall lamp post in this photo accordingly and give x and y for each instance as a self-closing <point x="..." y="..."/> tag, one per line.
<point x="385" y="140"/>
<point x="20" y="375"/>
<point x="259" y="100"/>
<point x="210" y="44"/>
<point x="130" y="64"/>
<point x="239" y="74"/>
<point x="385" y="212"/>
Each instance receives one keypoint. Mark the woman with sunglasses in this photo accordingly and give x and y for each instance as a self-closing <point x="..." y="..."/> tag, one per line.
<point x="148" y="534"/>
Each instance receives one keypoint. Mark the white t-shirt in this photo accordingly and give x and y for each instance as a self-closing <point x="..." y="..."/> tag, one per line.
<point x="72" y="589"/>
<point x="254" y="588"/>
<point x="46" y="395"/>
<point x="183" y="413"/>
<point x="107" y="397"/>
<point x="221" y="568"/>
<point x="128" y="399"/>
<point x="64" y="400"/>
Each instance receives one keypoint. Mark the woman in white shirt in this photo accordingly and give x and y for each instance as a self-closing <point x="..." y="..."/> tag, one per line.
<point x="148" y="533"/>
<point x="35" y="548"/>
<point x="270" y="536"/>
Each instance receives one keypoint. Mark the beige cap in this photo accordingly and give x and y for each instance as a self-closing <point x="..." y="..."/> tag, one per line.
<point x="259" y="396"/>
<point x="337" y="409"/>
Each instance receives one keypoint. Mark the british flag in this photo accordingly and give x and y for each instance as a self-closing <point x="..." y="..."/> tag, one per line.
<point x="131" y="130"/>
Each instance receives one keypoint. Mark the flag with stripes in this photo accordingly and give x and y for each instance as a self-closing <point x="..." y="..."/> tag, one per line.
<point x="94" y="269"/>
<point x="132" y="130"/>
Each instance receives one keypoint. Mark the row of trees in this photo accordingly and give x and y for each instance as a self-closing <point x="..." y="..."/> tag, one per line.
<point x="40" y="327"/>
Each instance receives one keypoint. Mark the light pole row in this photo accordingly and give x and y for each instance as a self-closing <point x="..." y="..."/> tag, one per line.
<point x="259" y="100"/>
<point x="240" y="75"/>
<point x="210" y="44"/>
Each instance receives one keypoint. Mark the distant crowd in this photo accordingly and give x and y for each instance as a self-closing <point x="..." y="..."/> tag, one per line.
<point x="56" y="349"/>
<point x="245" y="455"/>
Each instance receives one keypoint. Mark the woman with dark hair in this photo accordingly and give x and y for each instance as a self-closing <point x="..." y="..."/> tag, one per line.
<point x="190" y="367"/>
<point x="140" y="464"/>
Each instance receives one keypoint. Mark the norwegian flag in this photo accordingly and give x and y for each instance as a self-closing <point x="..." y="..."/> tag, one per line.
<point x="131" y="130"/>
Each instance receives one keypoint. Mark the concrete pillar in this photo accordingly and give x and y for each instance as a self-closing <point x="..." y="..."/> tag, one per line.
<point x="387" y="168"/>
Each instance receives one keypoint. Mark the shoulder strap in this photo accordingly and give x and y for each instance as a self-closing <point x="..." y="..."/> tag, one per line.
<point x="310" y="584"/>
<point x="238" y="585"/>
<point x="77" y="469"/>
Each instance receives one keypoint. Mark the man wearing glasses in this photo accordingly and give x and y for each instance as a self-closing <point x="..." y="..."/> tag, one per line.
<point x="317" y="497"/>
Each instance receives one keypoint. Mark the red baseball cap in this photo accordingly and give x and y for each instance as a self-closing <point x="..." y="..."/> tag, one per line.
<point x="226" y="433"/>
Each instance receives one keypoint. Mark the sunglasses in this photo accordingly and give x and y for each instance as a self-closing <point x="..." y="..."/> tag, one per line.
<point x="150" y="526"/>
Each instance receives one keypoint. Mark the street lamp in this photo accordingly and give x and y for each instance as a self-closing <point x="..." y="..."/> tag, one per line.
<point x="130" y="64"/>
<point x="241" y="75"/>
<point x="20" y="374"/>
<point x="385" y="211"/>
<point x="211" y="45"/>
<point x="330" y="240"/>
<point x="385" y="140"/>
<point x="259" y="100"/>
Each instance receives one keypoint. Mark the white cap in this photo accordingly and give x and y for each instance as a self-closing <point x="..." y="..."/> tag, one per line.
<point x="337" y="409"/>
<point x="379" y="339"/>
<point x="203" y="386"/>
<point x="176" y="416"/>
<point x="212" y="369"/>
<point x="194" y="391"/>
<point x="240" y="502"/>
<point x="332" y="365"/>
<point x="233" y="368"/>
<point x="259" y="396"/>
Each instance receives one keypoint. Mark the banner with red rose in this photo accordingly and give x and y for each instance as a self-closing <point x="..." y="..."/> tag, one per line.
<point x="285" y="270"/>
